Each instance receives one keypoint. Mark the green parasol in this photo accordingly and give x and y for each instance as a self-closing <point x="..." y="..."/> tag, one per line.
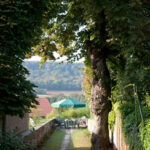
<point x="68" y="103"/>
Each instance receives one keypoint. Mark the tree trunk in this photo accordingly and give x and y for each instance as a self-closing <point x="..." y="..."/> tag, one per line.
<point x="99" y="103"/>
<point x="3" y="123"/>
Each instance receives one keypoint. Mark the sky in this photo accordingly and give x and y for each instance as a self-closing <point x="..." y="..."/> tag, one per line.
<point x="56" y="55"/>
<point x="38" y="58"/>
<point x="34" y="58"/>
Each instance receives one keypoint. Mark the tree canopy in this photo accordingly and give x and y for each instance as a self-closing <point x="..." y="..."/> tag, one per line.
<point x="112" y="34"/>
<point x="20" y="27"/>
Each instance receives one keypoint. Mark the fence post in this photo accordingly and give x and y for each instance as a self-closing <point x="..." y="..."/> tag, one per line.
<point x="139" y="103"/>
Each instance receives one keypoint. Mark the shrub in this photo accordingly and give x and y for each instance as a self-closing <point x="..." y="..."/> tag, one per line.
<point x="75" y="113"/>
<point x="138" y="136"/>
<point x="145" y="134"/>
<point x="10" y="142"/>
<point x="67" y="113"/>
<point x="52" y="114"/>
<point x="111" y="120"/>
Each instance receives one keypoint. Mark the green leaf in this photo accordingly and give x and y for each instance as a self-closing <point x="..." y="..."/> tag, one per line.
<point x="92" y="37"/>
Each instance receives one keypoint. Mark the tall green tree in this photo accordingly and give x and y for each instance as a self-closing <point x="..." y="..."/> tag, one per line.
<point x="21" y="24"/>
<point x="79" y="30"/>
<point x="110" y="34"/>
<point x="129" y="26"/>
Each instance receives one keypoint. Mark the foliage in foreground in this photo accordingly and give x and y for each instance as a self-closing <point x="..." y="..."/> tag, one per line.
<point x="55" y="140"/>
<point x="9" y="142"/>
<point x="20" y="27"/>
<point x="138" y="136"/>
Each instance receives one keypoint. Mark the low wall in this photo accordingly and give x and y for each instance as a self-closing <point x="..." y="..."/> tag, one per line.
<point x="36" y="136"/>
<point x="118" y="137"/>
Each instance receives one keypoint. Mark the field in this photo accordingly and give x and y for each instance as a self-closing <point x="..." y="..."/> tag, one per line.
<point x="66" y="93"/>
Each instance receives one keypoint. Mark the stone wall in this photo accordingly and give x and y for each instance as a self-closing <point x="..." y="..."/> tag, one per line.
<point x="36" y="136"/>
<point x="117" y="136"/>
<point x="17" y="124"/>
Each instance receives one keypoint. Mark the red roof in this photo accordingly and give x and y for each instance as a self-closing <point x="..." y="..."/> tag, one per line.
<point x="44" y="106"/>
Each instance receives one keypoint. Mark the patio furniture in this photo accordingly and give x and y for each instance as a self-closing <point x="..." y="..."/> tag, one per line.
<point x="77" y="124"/>
<point x="71" y="123"/>
<point x="60" y="122"/>
<point x="83" y="121"/>
<point x="69" y="103"/>
<point x="66" y="123"/>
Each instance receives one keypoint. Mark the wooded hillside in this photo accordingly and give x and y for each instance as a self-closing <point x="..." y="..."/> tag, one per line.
<point x="55" y="76"/>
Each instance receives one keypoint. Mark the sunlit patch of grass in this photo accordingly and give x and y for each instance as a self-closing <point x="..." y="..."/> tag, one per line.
<point x="80" y="140"/>
<point x="55" y="141"/>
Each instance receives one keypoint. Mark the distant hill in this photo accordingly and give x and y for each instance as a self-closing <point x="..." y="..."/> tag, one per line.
<point x="53" y="76"/>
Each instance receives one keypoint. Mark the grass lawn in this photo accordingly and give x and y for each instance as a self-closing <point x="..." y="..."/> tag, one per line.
<point x="80" y="140"/>
<point x="55" y="141"/>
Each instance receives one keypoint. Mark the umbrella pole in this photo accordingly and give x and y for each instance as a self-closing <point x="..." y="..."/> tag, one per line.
<point x="58" y="112"/>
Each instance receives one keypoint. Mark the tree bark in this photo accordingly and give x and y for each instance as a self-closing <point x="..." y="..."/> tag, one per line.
<point x="99" y="103"/>
<point x="3" y="123"/>
<point x="101" y="90"/>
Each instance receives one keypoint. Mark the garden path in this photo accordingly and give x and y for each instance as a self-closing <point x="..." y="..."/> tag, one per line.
<point x="66" y="140"/>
